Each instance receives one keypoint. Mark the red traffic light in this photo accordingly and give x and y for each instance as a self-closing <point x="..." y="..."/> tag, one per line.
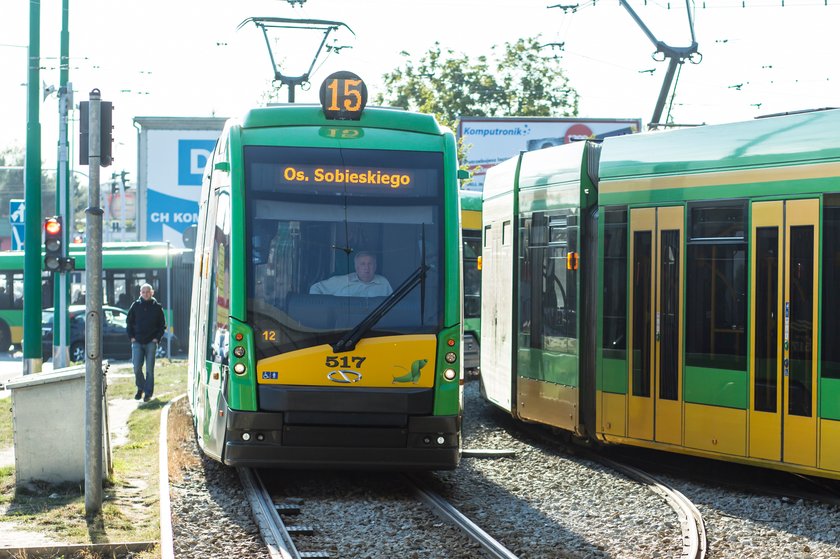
<point x="52" y="226"/>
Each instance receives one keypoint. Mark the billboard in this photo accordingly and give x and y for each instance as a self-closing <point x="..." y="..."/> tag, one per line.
<point x="173" y="152"/>
<point x="490" y="141"/>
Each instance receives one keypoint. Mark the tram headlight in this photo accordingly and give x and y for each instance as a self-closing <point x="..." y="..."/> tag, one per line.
<point x="450" y="357"/>
<point x="239" y="368"/>
<point x="450" y="374"/>
<point x="239" y="351"/>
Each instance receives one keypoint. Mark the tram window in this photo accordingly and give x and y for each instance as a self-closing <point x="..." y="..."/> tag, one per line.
<point x="722" y="220"/>
<point x="219" y="310"/>
<point x="472" y="277"/>
<point x="669" y="259"/>
<point x="506" y="233"/>
<point x="641" y="312"/>
<point x="615" y="283"/>
<point x="6" y="291"/>
<point x="303" y="235"/>
<point x="830" y="291"/>
<point x="716" y="306"/>
<point x="548" y="304"/>
<point x="766" y="321"/>
<point x="487" y="235"/>
<point x="801" y="274"/>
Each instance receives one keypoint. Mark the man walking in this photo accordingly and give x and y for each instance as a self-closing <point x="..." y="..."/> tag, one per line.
<point x="146" y="325"/>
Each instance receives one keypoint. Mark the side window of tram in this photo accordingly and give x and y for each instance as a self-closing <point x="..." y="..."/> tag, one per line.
<point x="6" y="291"/>
<point x="716" y="287"/>
<point x="547" y="288"/>
<point x="830" y="330"/>
<point x="615" y="283"/>
<point x="218" y="335"/>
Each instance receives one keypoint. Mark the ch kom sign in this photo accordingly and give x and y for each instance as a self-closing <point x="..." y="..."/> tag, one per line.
<point x="173" y="154"/>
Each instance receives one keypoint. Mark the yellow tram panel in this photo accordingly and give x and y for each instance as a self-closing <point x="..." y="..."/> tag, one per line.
<point x="548" y="402"/>
<point x="765" y="438"/>
<point x="829" y="447"/>
<point x="716" y="429"/>
<point x="386" y="362"/>
<point x="613" y="414"/>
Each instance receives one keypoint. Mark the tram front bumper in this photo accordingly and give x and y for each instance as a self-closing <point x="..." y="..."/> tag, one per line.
<point x="262" y="439"/>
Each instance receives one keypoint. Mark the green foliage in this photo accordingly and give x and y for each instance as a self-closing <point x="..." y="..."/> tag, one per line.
<point x="516" y="80"/>
<point x="12" y="185"/>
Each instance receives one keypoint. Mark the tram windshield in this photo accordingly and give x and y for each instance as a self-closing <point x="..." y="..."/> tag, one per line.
<point x="334" y="233"/>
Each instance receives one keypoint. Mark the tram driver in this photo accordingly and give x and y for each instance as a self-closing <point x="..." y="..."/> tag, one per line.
<point x="364" y="282"/>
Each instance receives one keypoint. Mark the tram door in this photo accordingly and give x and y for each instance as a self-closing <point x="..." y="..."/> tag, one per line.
<point x="656" y="303"/>
<point x="783" y="344"/>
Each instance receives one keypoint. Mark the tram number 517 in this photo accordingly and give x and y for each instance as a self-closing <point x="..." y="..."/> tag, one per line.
<point x="345" y="361"/>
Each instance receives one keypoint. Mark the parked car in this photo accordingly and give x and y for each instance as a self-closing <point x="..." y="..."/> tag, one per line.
<point x="115" y="343"/>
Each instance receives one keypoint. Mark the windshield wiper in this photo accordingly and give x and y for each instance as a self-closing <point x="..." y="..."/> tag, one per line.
<point x="348" y="341"/>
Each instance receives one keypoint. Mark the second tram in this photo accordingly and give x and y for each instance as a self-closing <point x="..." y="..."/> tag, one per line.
<point x="471" y="233"/>
<point x="673" y="290"/>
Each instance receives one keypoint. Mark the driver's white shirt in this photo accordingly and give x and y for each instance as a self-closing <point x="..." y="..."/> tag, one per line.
<point x="350" y="285"/>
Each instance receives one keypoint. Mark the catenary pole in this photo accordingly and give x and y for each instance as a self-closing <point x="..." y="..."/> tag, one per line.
<point x="93" y="317"/>
<point x="32" y="193"/>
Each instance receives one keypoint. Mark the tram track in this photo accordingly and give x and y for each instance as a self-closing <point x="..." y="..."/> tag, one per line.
<point x="274" y="532"/>
<point x="691" y="521"/>
<point x="281" y="540"/>
<point x="445" y="510"/>
<point x="539" y="500"/>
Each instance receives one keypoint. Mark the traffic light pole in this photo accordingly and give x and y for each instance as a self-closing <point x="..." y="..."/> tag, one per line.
<point x="61" y="324"/>
<point x="93" y="317"/>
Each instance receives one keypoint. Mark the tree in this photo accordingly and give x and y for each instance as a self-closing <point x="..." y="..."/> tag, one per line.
<point x="12" y="186"/>
<point x="519" y="81"/>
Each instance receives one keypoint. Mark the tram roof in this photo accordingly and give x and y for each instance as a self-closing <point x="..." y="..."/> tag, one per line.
<point x="808" y="137"/>
<point x="312" y="115"/>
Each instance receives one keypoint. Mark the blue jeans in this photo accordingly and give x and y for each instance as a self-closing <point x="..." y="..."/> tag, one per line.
<point x="139" y="353"/>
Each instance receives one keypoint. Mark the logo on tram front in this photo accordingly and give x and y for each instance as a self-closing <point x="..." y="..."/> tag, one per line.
<point x="343" y="376"/>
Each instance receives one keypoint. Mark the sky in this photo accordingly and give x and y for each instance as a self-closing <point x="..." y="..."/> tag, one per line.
<point x="187" y="58"/>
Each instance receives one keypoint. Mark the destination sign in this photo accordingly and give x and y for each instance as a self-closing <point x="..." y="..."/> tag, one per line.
<point x="333" y="175"/>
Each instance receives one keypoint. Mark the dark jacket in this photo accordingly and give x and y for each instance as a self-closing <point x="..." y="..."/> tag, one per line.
<point x="146" y="321"/>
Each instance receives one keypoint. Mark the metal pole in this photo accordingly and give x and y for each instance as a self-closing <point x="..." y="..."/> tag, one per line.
<point x="32" y="358"/>
<point x="93" y="318"/>
<point x="62" y="285"/>
<point x="169" y="300"/>
<point x="122" y="211"/>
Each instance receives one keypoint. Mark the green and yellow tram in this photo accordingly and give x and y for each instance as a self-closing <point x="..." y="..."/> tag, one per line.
<point x="327" y="325"/>
<point x="125" y="267"/>
<point x="471" y="235"/>
<point x="674" y="290"/>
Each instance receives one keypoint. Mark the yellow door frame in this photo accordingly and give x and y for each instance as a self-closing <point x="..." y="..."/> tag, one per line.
<point x="781" y="435"/>
<point x="799" y="445"/>
<point x="668" y="413"/>
<point x="640" y="409"/>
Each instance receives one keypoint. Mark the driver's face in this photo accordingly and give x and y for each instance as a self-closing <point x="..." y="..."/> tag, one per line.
<point x="365" y="268"/>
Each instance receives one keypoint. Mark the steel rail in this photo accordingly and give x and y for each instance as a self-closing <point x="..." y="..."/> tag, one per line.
<point x="691" y="521"/>
<point x="273" y="531"/>
<point x="448" y="512"/>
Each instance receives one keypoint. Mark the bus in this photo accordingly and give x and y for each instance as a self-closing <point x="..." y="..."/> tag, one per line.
<point x="326" y="327"/>
<point x="673" y="290"/>
<point x="471" y="238"/>
<point x="125" y="267"/>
